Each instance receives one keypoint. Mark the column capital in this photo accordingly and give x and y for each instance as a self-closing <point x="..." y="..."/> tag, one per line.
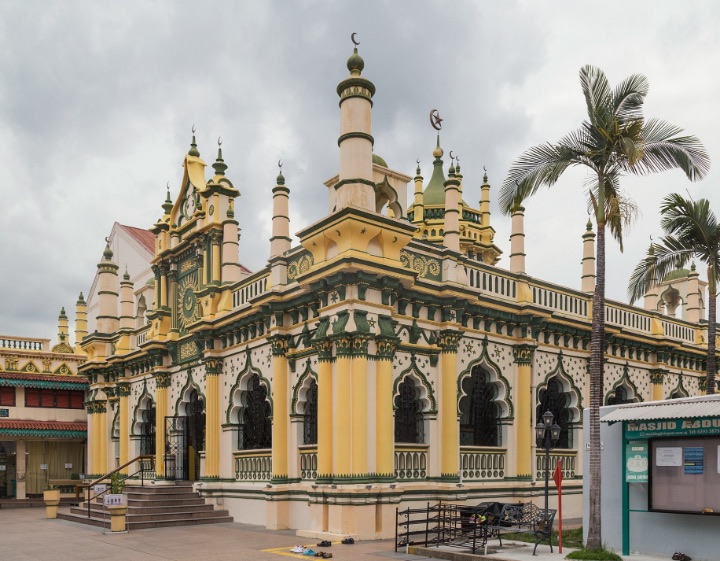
<point x="523" y="353"/>
<point x="386" y="347"/>
<point x="162" y="379"/>
<point x="213" y="366"/>
<point x="324" y="350"/>
<point x="448" y="340"/>
<point x="360" y="344"/>
<point x="123" y="389"/>
<point x="279" y="344"/>
<point x="702" y="384"/>
<point x="344" y="345"/>
<point x="657" y="375"/>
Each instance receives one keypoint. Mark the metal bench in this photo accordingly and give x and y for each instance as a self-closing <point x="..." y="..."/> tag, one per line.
<point x="522" y="519"/>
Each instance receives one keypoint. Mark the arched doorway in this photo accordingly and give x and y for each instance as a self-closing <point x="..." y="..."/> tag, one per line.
<point x="195" y="412"/>
<point x="185" y="438"/>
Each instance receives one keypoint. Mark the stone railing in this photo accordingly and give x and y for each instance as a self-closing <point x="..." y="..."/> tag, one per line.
<point x="482" y="464"/>
<point x="564" y="302"/>
<point x="141" y="336"/>
<point x="411" y="462"/>
<point x="628" y="318"/>
<point x="308" y="463"/>
<point x="249" y="289"/>
<point x="567" y="460"/>
<point x="677" y="330"/>
<point x="24" y="343"/>
<point x="253" y="465"/>
<point x="492" y="281"/>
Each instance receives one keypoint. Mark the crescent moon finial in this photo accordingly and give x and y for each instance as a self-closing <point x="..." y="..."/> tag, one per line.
<point x="484" y="168"/>
<point x="435" y="120"/>
<point x="355" y="41"/>
<point x="280" y="164"/>
<point x="107" y="240"/>
<point x="193" y="128"/>
<point x="168" y="185"/>
<point x="418" y="161"/>
<point x="451" y="155"/>
<point x="219" y="140"/>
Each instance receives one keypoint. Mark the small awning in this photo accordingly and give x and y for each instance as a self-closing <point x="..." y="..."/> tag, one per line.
<point x="42" y="429"/>
<point x="50" y="381"/>
<point x="687" y="408"/>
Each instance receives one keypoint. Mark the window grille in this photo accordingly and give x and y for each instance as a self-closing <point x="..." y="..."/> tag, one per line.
<point x="479" y="414"/>
<point x="255" y="429"/>
<point x="409" y="422"/>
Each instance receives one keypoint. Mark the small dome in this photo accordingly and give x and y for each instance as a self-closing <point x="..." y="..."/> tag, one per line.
<point x="150" y="282"/>
<point x="379" y="161"/>
<point x="107" y="254"/>
<point x="676" y="275"/>
<point x="355" y="63"/>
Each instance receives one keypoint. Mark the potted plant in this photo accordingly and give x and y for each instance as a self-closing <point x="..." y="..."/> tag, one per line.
<point x="51" y="496"/>
<point x="116" y="503"/>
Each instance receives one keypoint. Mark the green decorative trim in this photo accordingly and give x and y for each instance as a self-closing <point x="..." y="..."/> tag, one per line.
<point x="300" y="265"/>
<point x="361" y="322"/>
<point x="308" y="373"/>
<point x="680" y="388"/>
<point x="44" y="433"/>
<point x="702" y="384"/>
<point x="360" y="345"/>
<point x="559" y="371"/>
<point x="425" y="267"/>
<point x="63" y="370"/>
<point x="144" y="395"/>
<point x="344" y="346"/>
<point x="523" y="353"/>
<point x="386" y="347"/>
<point x="278" y="345"/>
<point x="123" y="389"/>
<point x="449" y="339"/>
<point x="413" y="370"/>
<point x="162" y="379"/>
<point x="624" y="380"/>
<point x="387" y="326"/>
<point x="353" y="181"/>
<point x="358" y="84"/>
<point x="8" y="383"/>
<point x="248" y="372"/>
<point x="341" y="321"/>
<point x="356" y="134"/>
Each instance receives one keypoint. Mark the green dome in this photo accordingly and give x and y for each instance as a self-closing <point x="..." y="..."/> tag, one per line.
<point x="434" y="194"/>
<point x="379" y="161"/>
<point x="107" y="254"/>
<point x="150" y="282"/>
<point x="355" y="63"/>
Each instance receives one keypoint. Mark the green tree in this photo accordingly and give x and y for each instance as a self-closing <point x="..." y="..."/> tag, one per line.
<point x="615" y="140"/>
<point x="691" y="232"/>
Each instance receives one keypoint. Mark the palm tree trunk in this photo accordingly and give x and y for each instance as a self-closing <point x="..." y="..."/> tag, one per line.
<point x="597" y="355"/>
<point x="712" y="330"/>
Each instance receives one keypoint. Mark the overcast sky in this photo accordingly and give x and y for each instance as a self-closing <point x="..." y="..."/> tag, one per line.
<point x="97" y="101"/>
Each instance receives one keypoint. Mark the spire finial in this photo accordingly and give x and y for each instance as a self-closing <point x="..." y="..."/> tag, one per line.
<point x="451" y="171"/>
<point x="485" y="178"/>
<point x="417" y="171"/>
<point x="193" y="146"/>
<point x="355" y="63"/>
<point x="167" y="205"/>
<point x="219" y="166"/>
<point x="280" y="177"/>
<point x="457" y="165"/>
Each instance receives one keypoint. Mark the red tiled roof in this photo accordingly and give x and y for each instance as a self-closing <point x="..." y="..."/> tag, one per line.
<point x="80" y="380"/>
<point x="144" y="237"/>
<point x="21" y="424"/>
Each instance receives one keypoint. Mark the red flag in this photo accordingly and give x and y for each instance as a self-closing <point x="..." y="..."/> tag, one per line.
<point x="557" y="476"/>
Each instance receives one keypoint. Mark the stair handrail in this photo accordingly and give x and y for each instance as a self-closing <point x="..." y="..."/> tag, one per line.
<point x="141" y="459"/>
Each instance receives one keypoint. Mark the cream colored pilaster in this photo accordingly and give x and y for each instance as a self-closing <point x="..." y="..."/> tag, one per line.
<point x="215" y="238"/>
<point x="213" y="370"/>
<point x="657" y="376"/>
<point x="123" y="392"/>
<point x="342" y="435"/>
<point x="450" y="430"/>
<point x="359" y="368"/>
<point x="164" y="285"/>
<point x="162" y="383"/>
<point x="325" y="409"/>
<point x="281" y="400"/>
<point x="103" y="437"/>
<point x="21" y="468"/>
<point x="384" y="427"/>
<point x="92" y="444"/>
<point x="523" y="355"/>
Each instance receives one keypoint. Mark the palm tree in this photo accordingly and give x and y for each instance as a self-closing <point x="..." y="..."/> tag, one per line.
<point x="614" y="140"/>
<point x="691" y="232"/>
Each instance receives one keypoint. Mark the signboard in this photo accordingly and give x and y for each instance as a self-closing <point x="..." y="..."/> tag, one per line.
<point x="668" y="457"/>
<point x="694" y="460"/>
<point x="43" y="466"/>
<point x="704" y="426"/>
<point x="114" y="500"/>
<point x="4" y="412"/>
<point x="636" y="462"/>
<point x="3" y="468"/>
<point x="100" y="488"/>
<point x="68" y="466"/>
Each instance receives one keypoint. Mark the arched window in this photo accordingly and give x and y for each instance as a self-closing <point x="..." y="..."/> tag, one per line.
<point x="255" y="426"/>
<point x="310" y="415"/>
<point x="619" y="396"/>
<point x="147" y="431"/>
<point x="553" y="399"/>
<point x="195" y="411"/>
<point x="479" y="414"/>
<point x="409" y="422"/>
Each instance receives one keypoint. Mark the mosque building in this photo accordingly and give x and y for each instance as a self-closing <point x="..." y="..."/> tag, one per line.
<point x="385" y="362"/>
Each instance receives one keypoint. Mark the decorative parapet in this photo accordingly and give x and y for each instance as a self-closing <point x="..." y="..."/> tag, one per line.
<point x="425" y="267"/>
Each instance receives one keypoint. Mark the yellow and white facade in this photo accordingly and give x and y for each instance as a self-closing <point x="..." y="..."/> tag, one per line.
<point x="385" y="362"/>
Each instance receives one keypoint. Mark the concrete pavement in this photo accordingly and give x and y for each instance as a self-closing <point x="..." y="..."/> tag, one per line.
<point x="28" y="536"/>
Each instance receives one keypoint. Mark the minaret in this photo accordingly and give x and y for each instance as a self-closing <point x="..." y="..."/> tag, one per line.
<point x="651" y="298"/>
<point x="80" y="322"/>
<point x="280" y="240"/>
<point x="451" y="237"/>
<point x="355" y="186"/>
<point x="107" y="319"/>
<point x="517" y="240"/>
<point x="127" y="303"/>
<point x="63" y="329"/>
<point x="693" y="309"/>
<point x="418" y="206"/>
<point x="485" y="201"/>
<point x="588" y="259"/>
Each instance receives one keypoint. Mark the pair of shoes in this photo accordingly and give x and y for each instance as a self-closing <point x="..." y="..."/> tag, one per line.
<point x="323" y="554"/>
<point x="297" y="549"/>
<point x="681" y="557"/>
<point x="324" y="543"/>
<point x="308" y="551"/>
<point x="348" y="540"/>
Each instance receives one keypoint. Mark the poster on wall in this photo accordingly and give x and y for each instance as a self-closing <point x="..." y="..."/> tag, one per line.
<point x="636" y="465"/>
<point x="694" y="459"/>
<point x="668" y="457"/>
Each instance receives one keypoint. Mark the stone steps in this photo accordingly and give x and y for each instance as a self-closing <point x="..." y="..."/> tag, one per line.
<point x="153" y="506"/>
